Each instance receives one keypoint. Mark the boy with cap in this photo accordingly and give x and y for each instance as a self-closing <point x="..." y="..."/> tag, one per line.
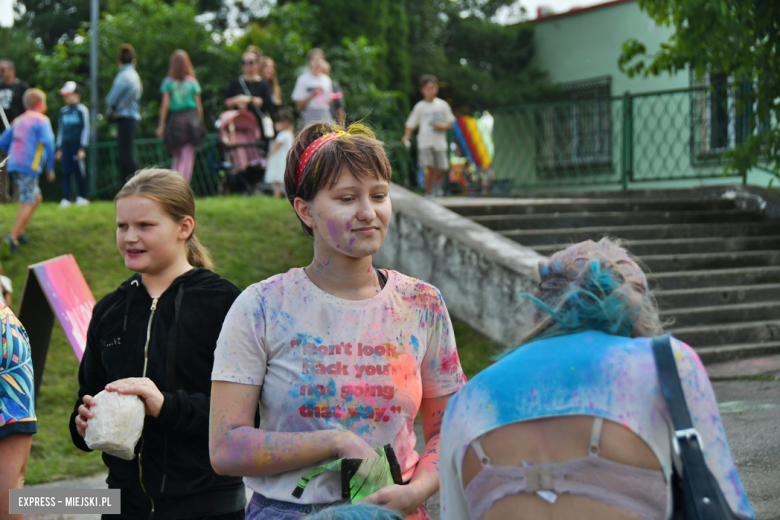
<point x="72" y="142"/>
<point x="28" y="142"/>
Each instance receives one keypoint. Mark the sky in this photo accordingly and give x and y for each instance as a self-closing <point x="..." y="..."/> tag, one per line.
<point x="6" y="13"/>
<point x="557" y="6"/>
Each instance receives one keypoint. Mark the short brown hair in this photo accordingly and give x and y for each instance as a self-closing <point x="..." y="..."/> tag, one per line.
<point x="359" y="151"/>
<point x="33" y="96"/>
<point x="428" y="78"/>
<point x="126" y="53"/>
<point x="171" y="191"/>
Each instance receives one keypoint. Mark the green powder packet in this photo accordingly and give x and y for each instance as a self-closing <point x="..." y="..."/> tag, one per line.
<point x="359" y="477"/>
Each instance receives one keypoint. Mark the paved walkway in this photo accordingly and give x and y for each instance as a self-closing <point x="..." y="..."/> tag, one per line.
<point x="751" y="417"/>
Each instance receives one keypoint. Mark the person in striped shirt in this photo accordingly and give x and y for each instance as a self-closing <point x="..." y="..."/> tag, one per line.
<point x="29" y="142"/>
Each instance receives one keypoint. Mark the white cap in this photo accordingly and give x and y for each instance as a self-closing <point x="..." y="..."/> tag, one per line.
<point x="69" y="88"/>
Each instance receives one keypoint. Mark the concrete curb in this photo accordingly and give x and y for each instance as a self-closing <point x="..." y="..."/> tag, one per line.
<point x="479" y="272"/>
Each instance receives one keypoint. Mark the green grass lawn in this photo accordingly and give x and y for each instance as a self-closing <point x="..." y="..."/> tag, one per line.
<point x="251" y="238"/>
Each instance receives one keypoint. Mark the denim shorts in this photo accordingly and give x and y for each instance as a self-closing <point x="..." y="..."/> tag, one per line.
<point x="263" y="508"/>
<point x="27" y="185"/>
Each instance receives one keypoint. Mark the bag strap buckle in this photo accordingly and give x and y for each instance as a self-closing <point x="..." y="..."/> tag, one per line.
<point x="686" y="434"/>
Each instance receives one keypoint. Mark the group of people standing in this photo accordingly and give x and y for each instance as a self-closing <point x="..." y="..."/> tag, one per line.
<point x="262" y="387"/>
<point x="333" y="360"/>
<point x="256" y="90"/>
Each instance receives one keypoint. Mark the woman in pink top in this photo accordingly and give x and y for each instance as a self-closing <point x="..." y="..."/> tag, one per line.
<point x="339" y="355"/>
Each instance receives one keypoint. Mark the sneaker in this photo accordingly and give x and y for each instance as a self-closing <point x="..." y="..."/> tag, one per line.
<point x="9" y="246"/>
<point x="65" y="203"/>
<point x="81" y="201"/>
<point x="429" y="196"/>
<point x="22" y="240"/>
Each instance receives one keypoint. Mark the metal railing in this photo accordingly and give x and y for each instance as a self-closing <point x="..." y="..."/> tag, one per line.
<point x="209" y="162"/>
<point x="609" y="142"/>
<point x="636" y="138"/>
<point x="206" y="176"/>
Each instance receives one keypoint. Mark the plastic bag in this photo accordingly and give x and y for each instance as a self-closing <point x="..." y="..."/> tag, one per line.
<point x="360" y="477"/>
<point x="117" y="424"/>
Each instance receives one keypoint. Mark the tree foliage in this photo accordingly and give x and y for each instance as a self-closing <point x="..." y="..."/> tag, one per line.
<point x="496" y="72"/>
<point x="55" y="21"/>
<point x="155" y="28"/>
<point x="377" y="48"/>
<point x="481" y="63"/>
<point x="739" y="38"/>
<point x="291" y="29"/>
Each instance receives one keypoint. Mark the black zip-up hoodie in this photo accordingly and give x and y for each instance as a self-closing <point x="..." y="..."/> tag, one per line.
<point x="178" y="480"/>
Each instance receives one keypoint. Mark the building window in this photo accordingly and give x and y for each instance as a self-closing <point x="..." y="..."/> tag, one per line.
<point x="723" y="115"/>
<point x="574" y="130"/>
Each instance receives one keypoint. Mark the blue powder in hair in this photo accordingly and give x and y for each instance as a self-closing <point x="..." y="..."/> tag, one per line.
<point x="598" y="303"/>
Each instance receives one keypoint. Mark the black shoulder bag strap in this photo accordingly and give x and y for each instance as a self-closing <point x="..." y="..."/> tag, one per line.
<point x="697" y="494"/>
<point x="257" y="111"/>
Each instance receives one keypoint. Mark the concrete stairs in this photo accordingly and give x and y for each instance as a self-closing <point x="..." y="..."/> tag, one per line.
<point x="713" y="261"/>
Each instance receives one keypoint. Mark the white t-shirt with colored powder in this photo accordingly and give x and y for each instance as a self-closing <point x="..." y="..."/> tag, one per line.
<point x="424" y="115"/>
<point x="328" y="363"/>
<point x="318" y="108"/>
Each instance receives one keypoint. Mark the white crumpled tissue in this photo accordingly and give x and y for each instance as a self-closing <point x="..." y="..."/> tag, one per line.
<point x="117" y="424"/>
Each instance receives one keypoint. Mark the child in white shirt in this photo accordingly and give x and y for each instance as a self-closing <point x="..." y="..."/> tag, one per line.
<point x="433" y="117"/>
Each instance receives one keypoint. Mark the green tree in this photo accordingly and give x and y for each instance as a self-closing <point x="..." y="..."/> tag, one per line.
<point x="155" y="28"/>
<point x="383" y="23"/>
<point x="291" y="29"/>
<point x="489" y="65"/>
<point x="738" y="38"/>
<point x="18" y="45"/>
<point x="481" y="63"/>
<point x="54" y="21"/>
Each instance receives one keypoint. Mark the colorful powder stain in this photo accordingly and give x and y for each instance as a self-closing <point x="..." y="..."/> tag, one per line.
<point x="333" y="230"/>
<point x="450" y="363"/>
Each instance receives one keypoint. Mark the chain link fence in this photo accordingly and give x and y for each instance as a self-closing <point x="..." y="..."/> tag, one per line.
<point x="602" y="142"/>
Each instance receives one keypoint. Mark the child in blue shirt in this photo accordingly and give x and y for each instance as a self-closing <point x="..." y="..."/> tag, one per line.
<point x="28" y="142"/>
<point x="72" y="142"/>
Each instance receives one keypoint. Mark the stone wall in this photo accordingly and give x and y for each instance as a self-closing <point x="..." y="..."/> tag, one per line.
<point x="479" y="272"/>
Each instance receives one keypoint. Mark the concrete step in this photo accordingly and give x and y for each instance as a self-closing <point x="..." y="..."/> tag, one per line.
<point x="711" y="296"/>
<point x="536" y="237"/>
<point x="720" y="314"/>
<point x="714" y="278"/>
<point x="745" y="333"/>
<point x="613" y="218"/>
<point x="765" y="365"/>
<point x="685" y="245"/>
<point x="699" y="261"/>
<point x="710" y="355"/>
<point x="471" y="207"/>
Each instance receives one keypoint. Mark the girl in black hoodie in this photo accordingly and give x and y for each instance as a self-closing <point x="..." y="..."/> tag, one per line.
<point x="154" y="337"/>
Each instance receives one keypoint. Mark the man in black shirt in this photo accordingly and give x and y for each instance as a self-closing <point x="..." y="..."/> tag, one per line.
<point x="11" y="91"/>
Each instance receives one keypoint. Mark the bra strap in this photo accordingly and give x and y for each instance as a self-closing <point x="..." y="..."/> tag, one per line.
<point x="595" y="437"/>
<point x="476" y="445"/>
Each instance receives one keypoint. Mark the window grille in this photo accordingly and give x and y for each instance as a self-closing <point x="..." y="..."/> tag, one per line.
<point x="576" y="130"/>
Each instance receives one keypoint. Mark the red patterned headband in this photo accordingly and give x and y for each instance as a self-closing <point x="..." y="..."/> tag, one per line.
<point x="311" y="150"/>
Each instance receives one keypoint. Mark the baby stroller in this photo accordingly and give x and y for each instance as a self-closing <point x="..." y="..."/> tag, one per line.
<point x="243" y="148"/>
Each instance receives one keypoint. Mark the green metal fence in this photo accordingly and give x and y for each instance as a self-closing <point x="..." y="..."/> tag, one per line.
<point x="618" y="141"/>
<point x="636" y="138"/>
<point x="209" y="162"/>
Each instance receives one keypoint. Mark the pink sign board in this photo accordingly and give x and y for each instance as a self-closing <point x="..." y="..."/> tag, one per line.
<point x="69" y="297"/>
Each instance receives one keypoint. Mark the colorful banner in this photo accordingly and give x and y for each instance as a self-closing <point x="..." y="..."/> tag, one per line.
<point x="69" y="296"/>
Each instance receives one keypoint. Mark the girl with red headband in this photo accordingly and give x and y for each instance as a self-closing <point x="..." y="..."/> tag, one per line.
<point x="339" y="355"/>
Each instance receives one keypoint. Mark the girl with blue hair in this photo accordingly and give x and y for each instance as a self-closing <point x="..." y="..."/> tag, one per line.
<point x="572" y="423"/>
